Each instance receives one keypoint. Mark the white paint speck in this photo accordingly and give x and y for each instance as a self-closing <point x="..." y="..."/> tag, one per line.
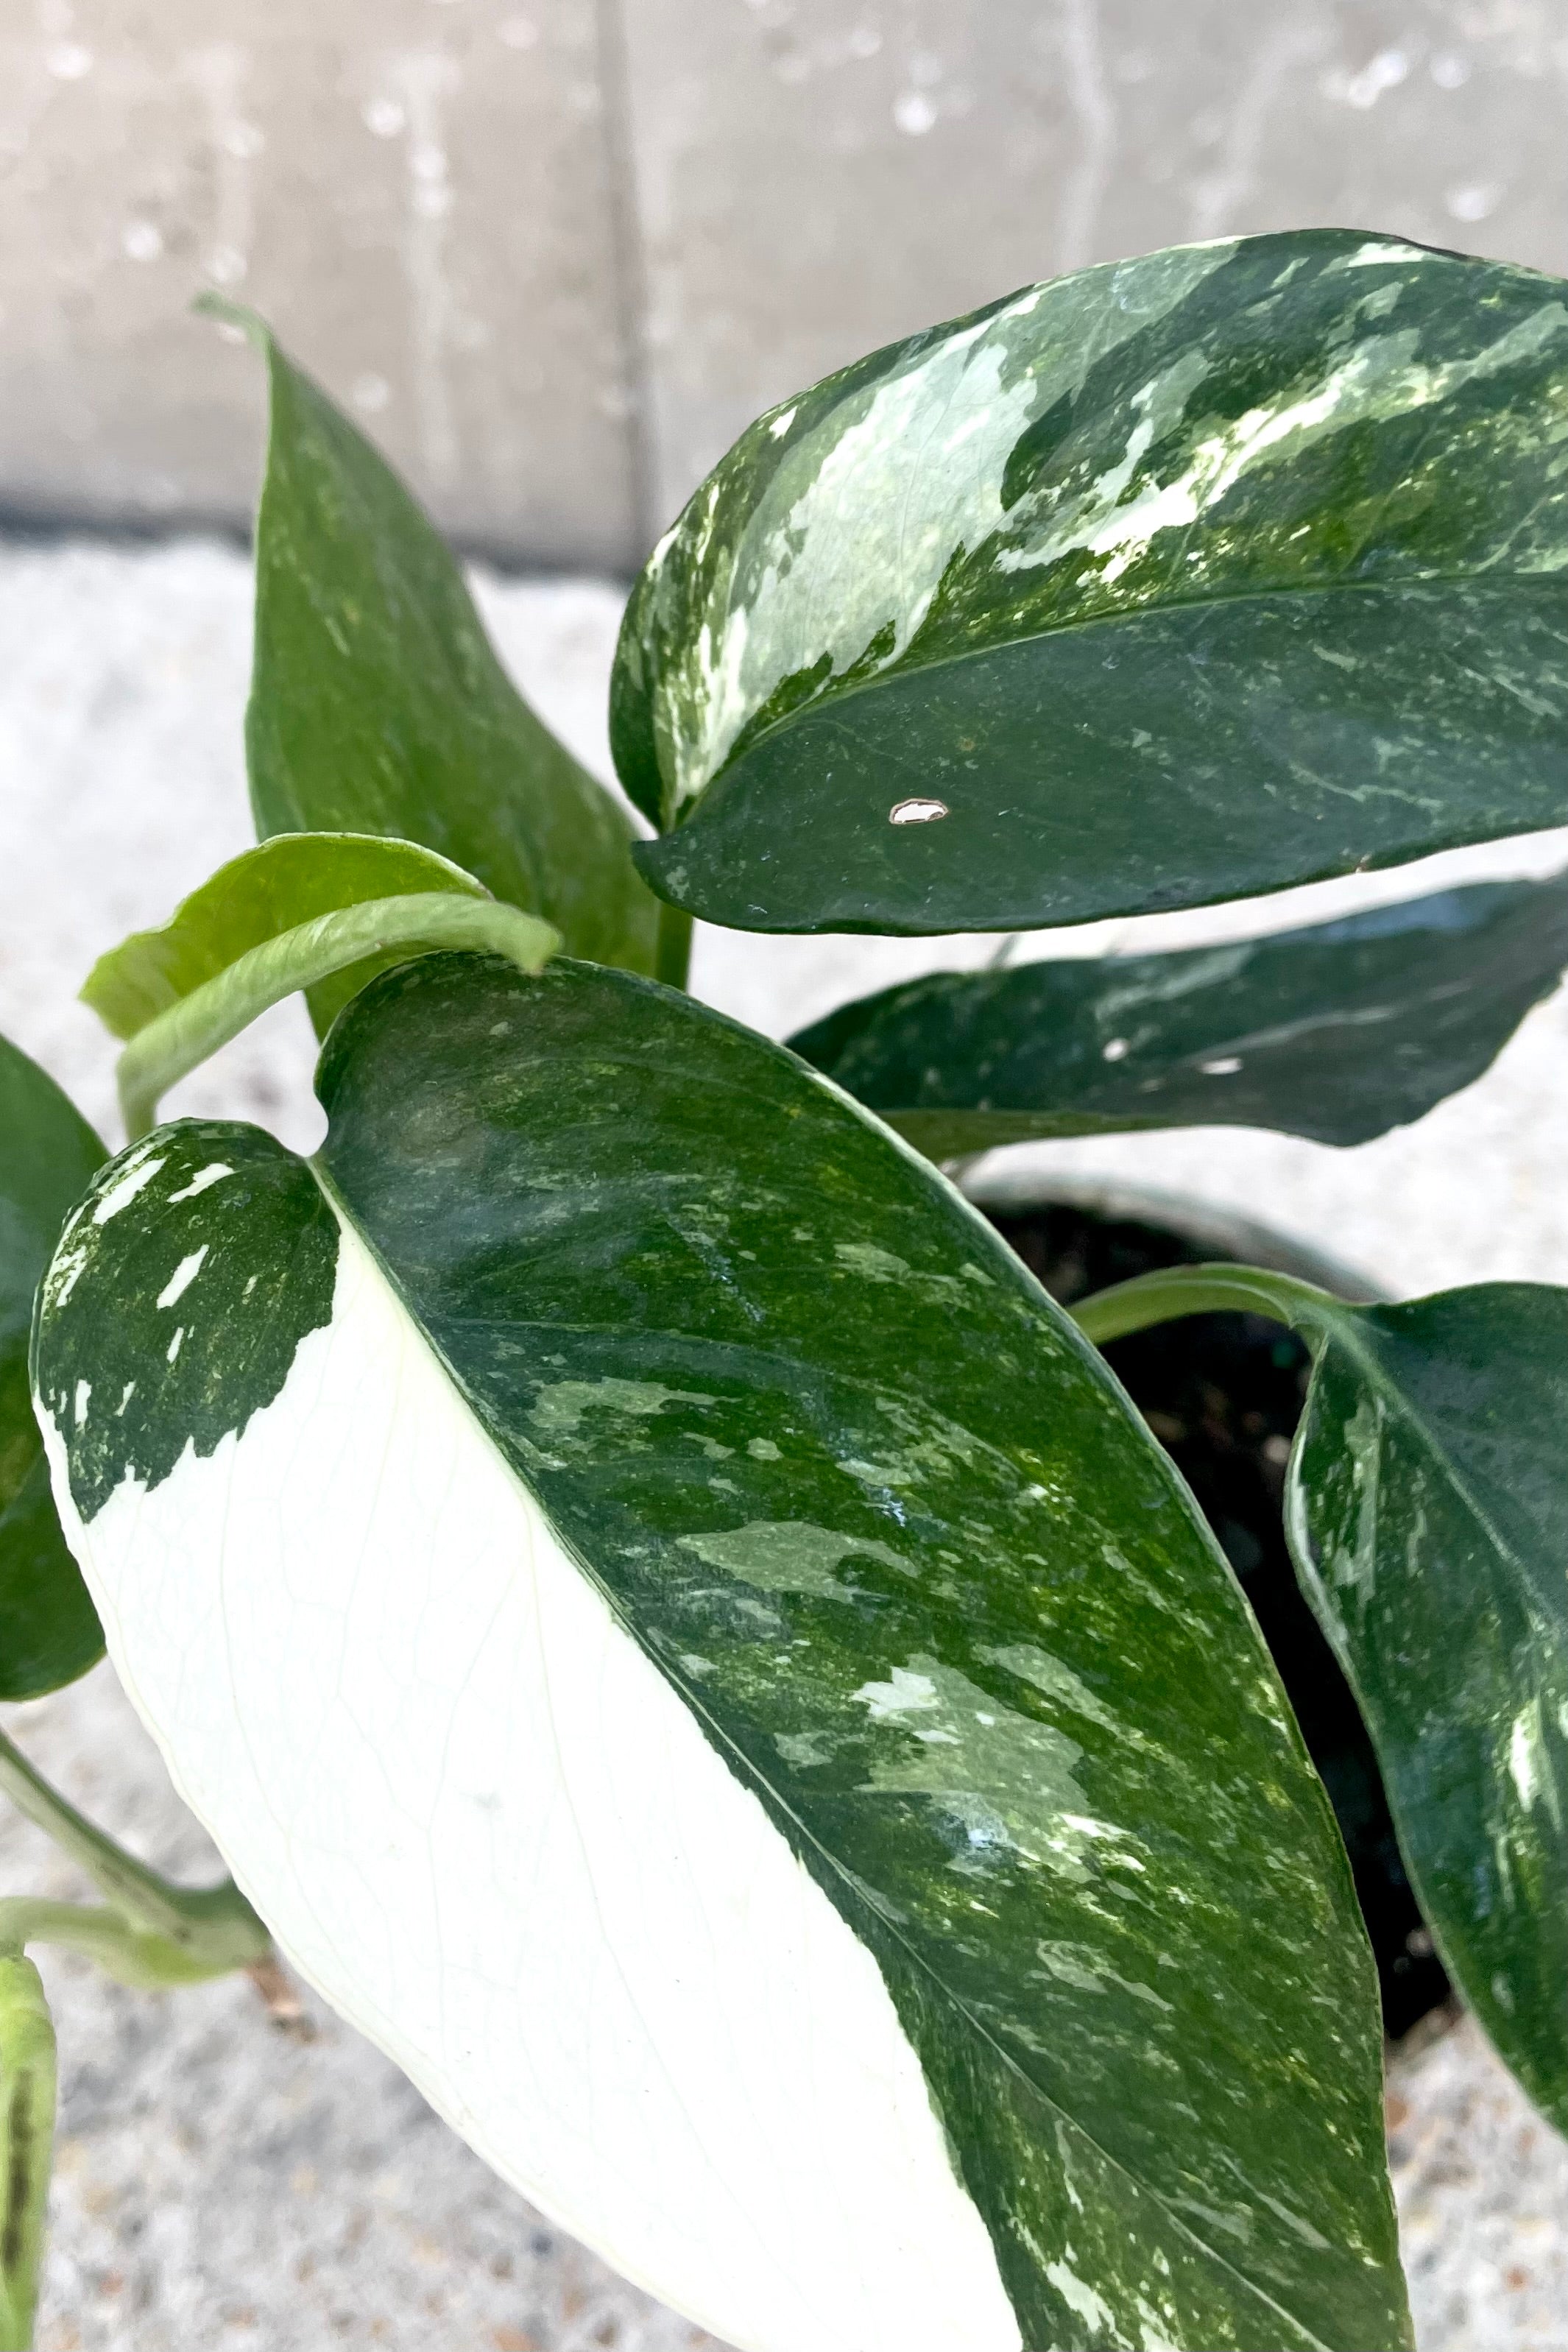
<point x="185" y="1273"/>
<point x="1226" y="1067"/>
<point x="1449" y="70"/>
<point x="203" y="1180"/>
<point x="68" y="61"/>
<point x="384" y="116"/>
<point x="1114" y="1050"/>
<point x="916" y="811"/>
<point x="142" y="240"/>
<point x="914" y="113"/>
<point x="370" y="394"/>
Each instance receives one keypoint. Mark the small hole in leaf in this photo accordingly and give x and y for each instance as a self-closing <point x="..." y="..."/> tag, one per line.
<point x="916" y="811"/>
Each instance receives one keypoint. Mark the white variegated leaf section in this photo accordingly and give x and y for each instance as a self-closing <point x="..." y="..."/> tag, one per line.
<point x="484" y="1825"/>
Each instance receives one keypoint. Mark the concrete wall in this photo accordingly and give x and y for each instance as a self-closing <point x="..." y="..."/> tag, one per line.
<point x="555" y="253"/>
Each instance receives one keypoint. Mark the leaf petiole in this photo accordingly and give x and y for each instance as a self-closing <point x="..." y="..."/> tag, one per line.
<point x="672" y="954"/>
<point x="1180" y="1290"/>
<point x="202" y="1930"/>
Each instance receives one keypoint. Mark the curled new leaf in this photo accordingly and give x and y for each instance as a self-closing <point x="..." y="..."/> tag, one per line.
<point x="1180" y="579"/>
<point x="264" y="892"/>
<point x="1426" y="1506"/>
<point x="321" y="912"/>
<point x="49" y="1631"/>
<point x="377" y="703"/>
<point x="1339" y="1032"/>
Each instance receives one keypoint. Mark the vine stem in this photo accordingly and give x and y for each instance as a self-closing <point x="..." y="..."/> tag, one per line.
<point x="1180" y="1290"/>
<point x="186" y="1932"/>
<point x="672" y="955"/>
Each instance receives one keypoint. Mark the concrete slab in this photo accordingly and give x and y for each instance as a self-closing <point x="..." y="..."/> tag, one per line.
<point x="816" y="179"/>
<point x="418" y="195"/>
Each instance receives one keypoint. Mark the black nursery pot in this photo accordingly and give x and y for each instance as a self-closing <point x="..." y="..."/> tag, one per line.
<point x="1223" y="1394"/>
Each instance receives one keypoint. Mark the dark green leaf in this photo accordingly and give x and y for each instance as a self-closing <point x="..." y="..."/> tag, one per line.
<point x="654" y="1488"/>
<point x="1428" y="1511"/>
<point x="48" y="1629"/>
<point x="256" y="897"/>
<point x="1339" y="1032"/>
<point x="378" y="704"/>
<point x="1178" y="580"/>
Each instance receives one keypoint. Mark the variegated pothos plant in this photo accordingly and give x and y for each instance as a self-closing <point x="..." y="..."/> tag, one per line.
<point x="676" y="1635"/>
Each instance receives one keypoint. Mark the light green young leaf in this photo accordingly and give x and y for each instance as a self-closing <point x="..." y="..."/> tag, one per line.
<point x="810" y="1805"/>
<point x="256" y="897"/>
<point x="1428" y="1511"/>
<point x="49" y="1628"/>
<point x="1339" y="1032"/>
<point x="26" y="2142"/>
<point x="378" y="705"/>
<point x="1177" y="580"/>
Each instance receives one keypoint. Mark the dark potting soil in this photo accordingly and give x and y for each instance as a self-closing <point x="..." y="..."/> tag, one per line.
<point x="1223" y="1394"/>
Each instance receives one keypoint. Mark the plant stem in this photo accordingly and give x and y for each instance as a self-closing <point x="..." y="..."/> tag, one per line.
<point x="130" y="1955"/>
<point x="177" y="1041"/>
<point x="1199" y="1290"/>
<point x="211" y="1928"/>
<point x="26" y="2140"/>
<point x="673" y="957"/>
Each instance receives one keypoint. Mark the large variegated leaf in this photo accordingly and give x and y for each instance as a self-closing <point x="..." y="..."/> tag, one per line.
<point x="691" y="1652"/>
<point x="1339" y="1032"/>
<point x="378" y="705"/>
<point x="48" y="1629"/>
<point x="1173" y="580"/>
<point x="1428" y="1511"/>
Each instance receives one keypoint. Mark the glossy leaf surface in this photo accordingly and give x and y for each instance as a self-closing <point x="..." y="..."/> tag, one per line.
<point x="48" y="1629"/>
<point x="377" y="703"/>
<point x="808" y="1802"/>
<point x="264" y="892"/>
<point x="1174" y="581"/>
<point x="1338" y="1032"/>
<point x="1428" y="1511"/>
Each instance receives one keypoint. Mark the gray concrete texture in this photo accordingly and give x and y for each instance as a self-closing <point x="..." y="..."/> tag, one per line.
<point x="220" y="2185"/>
<point x="555" y="254"/>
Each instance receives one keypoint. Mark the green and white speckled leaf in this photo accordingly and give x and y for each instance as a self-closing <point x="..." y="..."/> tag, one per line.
<point x="1428" y="1511"/>
<point x="696" y="1656"/>
<point x="1177" y="580"/>
<point x="378" y="704"/>
<point x="48" y="1629"/>
<point x="266" y="891"/>
<point x="1339" y="1032"/>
